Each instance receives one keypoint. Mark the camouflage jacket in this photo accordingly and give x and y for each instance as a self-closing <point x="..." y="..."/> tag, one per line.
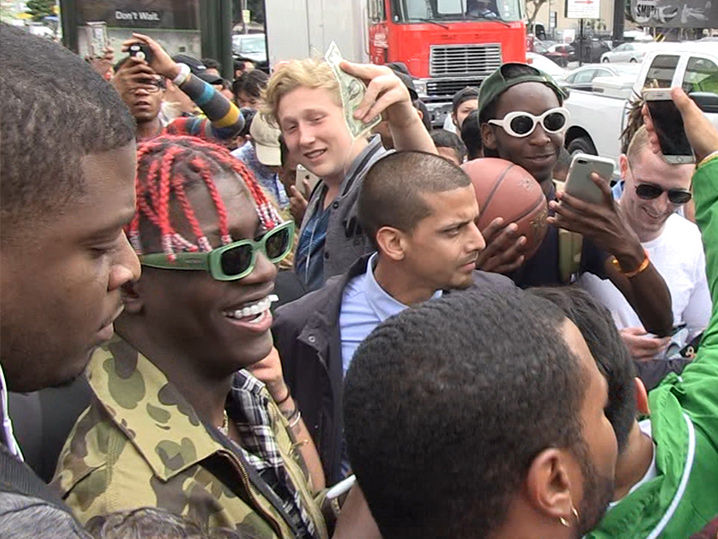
<point x="141" y="444"/>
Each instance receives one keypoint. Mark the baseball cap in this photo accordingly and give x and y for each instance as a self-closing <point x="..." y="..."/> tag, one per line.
<point x="511" y="74"/>
<point x="401" y="71"/>
<point x="465" y="94"/>
<point x="266" y="141"/>
<point x="195" y="66"/>
<point x="210" y="78"/>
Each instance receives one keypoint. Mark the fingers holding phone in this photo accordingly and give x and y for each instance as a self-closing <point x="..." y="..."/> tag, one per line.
<point x="699" y="130"/>
<point x="667" y="124"/>
<point x="144" y="48"/>
<point x="643" y="346"/>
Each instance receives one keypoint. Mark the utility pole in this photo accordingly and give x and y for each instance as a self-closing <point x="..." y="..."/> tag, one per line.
<point x="245" y="24"/>
<point x="619" y="19"/>
<point x="68" y="20"/>
<point x="216" y="26"/>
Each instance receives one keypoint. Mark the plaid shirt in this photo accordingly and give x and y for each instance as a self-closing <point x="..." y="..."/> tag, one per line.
<point x="248" y="407"/>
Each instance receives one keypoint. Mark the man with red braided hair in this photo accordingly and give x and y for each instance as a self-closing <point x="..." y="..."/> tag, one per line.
<point x="177" y="420"/>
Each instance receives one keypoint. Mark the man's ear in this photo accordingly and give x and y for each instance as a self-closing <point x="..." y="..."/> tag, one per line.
<point x="641" y="397"/>
<point x="548" y="484"/>
<point x="391" y="242"/>
<point x="623" y="165"/>
<point x="131" y="297"/>
<point x="488" y="138"/>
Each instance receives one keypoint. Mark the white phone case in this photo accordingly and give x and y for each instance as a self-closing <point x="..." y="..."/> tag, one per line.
<point x="579" y="183"/>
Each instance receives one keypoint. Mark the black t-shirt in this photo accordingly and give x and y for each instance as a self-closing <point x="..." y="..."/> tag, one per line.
<point x="542" y="268"/>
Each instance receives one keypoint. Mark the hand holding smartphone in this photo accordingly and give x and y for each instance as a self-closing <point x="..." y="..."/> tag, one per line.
<point x="140" y="51"/>
<point x="304" y="174"/>
<point x="668" y="125"/>
<point x="579" y="182"/>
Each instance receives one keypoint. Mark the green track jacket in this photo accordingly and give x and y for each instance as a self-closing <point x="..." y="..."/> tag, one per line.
<point x="684" y="420"/>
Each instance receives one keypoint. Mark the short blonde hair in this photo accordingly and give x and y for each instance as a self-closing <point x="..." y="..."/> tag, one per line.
<point x="639" y="142"/>
<point x="308" y="72"/>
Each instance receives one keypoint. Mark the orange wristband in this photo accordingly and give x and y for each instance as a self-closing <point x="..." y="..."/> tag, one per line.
<point x="643" y="265"/>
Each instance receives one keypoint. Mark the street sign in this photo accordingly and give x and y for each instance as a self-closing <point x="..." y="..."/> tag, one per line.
<point x="675" y="13"/>
<point x="583" y="9"/>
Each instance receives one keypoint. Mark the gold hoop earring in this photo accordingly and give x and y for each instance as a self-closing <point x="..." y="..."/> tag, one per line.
<point x="565" y="522"/>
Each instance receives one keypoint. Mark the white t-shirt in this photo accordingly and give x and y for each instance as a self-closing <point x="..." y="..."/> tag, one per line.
<point x="678" y="256"/>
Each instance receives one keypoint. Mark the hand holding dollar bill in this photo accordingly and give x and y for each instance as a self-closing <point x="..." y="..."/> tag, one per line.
<point x="352" y="92"/>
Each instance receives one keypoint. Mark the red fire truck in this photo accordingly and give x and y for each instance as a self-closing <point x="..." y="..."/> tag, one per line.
<point x="446" y="44"/>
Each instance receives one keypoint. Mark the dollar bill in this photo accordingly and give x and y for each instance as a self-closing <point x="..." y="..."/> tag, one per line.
<point x="352" y="92"/>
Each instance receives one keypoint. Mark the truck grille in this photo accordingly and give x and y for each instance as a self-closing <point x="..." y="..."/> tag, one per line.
<point x="464" y="60"/>
<point x="448" y="87"/>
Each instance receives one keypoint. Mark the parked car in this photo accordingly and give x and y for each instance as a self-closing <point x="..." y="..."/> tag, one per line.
<point x="628" y="52"/>
<point x="637" y="35"/>
<point x="591" y="50"/>
<point x="540" y="46"/>
<point x="559" y="53"/>
<point x="545" y="64"/>
<point x="252" y="46"/>
<point x="582" y="77"/>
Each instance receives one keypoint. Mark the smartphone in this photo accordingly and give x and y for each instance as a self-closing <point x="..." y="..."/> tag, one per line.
<point x="97" y="41"/>
<point x="141" y="51"/>
<point x="668" y="124"/>
<point x="304" y="174"/>
<point x="579" y="183"/>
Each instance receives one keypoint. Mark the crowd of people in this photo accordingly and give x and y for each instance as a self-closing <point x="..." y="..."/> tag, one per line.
<point x="222" y="315"/>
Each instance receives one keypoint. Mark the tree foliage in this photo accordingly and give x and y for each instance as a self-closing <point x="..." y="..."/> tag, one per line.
<point x="39" y="9"/>
<point x="532" y="9"/>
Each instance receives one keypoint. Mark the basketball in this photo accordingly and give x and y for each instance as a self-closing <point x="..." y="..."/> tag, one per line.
<point x="508" y="191"/>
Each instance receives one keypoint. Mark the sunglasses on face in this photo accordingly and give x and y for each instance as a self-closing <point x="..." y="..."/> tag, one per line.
<point x="522" y="124"/>
<point x="233" y="261"/>
<point x="650" y="191"/>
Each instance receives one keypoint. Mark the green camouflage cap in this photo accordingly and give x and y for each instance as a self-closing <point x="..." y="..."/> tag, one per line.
<point x="502" y="79"/>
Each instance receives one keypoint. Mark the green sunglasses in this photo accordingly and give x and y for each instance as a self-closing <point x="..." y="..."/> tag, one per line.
<point x="233" y="261"/>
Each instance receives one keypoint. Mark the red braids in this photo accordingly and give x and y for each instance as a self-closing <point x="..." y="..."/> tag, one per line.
<point x="165" y="165"/>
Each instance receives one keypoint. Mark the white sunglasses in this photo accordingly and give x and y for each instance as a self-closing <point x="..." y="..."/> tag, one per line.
<point x="522" y="124"/>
